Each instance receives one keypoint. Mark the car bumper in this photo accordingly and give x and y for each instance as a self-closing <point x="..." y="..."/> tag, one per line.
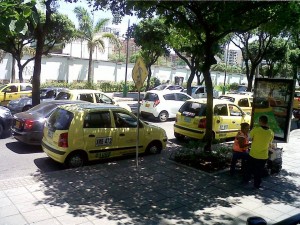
<point x="188" y="132"/>
<point x="56" y="155"/>
<point x="31" y="138"/>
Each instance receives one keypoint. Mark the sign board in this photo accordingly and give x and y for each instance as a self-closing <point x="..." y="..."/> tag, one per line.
<point x="274" y="98"/>
<point x="139" y="73"/>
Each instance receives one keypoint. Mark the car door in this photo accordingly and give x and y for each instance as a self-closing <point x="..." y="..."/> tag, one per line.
<point x="235" y="119"/>
<point x="221" y="121"/>
<point x="170" y="104"/>
<point x="99" y="135"/>
<point x="245" y="104"/>
<point x="11" y="92"/>
<point x="126" y="133"/>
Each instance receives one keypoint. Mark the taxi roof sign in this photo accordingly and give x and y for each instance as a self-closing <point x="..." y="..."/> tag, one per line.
<point x="139" y="73"/>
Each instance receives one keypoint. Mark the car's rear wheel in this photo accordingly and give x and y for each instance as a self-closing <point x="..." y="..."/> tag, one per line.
<point x="163" y="116"/>
<point x="75" y="160"/>
<point x="154" y="148"/>
<point x="26" y="107"/>
<point x="179" y="137"/>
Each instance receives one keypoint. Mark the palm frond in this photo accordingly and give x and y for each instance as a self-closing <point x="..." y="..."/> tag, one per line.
<point x="85" y="22"/>
<point x="101" y="23"/>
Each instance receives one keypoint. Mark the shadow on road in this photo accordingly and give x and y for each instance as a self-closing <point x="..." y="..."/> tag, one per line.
<point x="46" y="164"/>
<point x="21" y="148"/>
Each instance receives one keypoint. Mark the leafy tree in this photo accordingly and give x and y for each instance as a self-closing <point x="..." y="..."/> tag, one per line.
<point x="92" y="34"/>
<point x="210" y="22"/>
<point x="151" y="35"/>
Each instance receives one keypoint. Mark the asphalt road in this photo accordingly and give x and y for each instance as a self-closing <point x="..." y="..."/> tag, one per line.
<point x="18" y="159"/>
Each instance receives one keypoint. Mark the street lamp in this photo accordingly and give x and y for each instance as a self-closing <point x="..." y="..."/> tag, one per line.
<point x="117" y="19"/>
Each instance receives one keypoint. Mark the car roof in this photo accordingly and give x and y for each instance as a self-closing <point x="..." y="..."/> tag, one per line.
<point x="236" y="96"/>
<point x="82" y="91"/>
<point x="89" y="106"/>
<point x="18" y="84"/>
<point x="204" y="101"/>
<point x="165" y="91"/>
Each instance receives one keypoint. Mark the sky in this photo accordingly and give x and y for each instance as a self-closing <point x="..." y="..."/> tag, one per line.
<point x="67" y="9"/>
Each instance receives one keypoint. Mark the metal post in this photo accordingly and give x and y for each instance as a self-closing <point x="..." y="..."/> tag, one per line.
<point x="125" y="90"/>
<point x="226" y="60"/>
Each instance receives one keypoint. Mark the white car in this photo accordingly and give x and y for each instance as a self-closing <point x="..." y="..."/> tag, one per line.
<point x="162" y="104"/>
<point x="170" y="87"/>
<point x="200" y="92"/>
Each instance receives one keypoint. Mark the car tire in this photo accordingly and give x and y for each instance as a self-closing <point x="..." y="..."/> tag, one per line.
<point x="154" y="148"/>
<point x="179" y="137"/>
<point x="75" y="160"/>
<point x="26" y="107"/>
<point x="163" y="116"/>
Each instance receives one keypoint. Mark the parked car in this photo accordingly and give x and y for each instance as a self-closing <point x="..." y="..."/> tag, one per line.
<point x="25" y="103"/>
<point x="101" y="131"/>
<point x="191" y="119"/>
<point x="170" y="87"/>
<point x="28" y="126"/>
<point x="6" y="119"/>
<point x="245" y="102"/>
<point x="162" y="105"/>
<point x="14" y="91"/>
<point x="92" y="96"/>
<point x="200" y="92"/>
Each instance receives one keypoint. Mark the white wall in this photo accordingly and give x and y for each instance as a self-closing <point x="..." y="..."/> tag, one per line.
<point x="66" y="68"/>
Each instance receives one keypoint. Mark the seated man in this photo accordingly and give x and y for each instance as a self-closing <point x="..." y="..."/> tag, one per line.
<point x="240" y="147"/>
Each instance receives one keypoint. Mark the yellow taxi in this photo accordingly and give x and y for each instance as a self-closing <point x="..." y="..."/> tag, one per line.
<point x="245" y="102"/>
<point x="13" y="91"/>
<point x="77" y="133"/>
<point x="296" y="102"/>
<point x="191" y="119"/>
<point x="89" y="95"/>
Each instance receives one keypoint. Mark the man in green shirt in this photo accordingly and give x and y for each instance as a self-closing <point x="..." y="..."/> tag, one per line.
<point x="262" y="137"/>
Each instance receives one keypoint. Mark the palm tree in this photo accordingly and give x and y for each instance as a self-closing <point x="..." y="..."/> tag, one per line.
<point x="92" y="34"/>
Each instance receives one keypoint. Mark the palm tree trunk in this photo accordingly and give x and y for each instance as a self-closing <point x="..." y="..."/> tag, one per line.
<point x="90" y="67"/>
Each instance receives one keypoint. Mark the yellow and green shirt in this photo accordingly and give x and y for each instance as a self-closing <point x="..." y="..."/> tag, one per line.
<point x="262" y="137"/>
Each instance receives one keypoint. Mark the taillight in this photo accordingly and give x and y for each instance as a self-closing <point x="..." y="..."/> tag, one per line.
<point x="63" y="140"/>
<point x="28" y="124"/>
<point x="298" y="99"/>
<point x="202" y="123"/>
<point x="156" y="103"/>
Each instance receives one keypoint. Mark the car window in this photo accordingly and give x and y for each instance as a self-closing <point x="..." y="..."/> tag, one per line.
<point x="25" y="87"/>
<point x="200" y="90"/>
<point x="234" y="110"/>
<point x="125" y="120"/>
<point x="243" y="102"/>
<point x="181" y="97"/>
<point x="221" y="110"/>
<point x="60" y="119"/>
<point x="63" y="96"/>
<point x="97" y="120"/>
<point x="193" y="109"/>
<point x="169" y="97"/>
<point x="101" y="98"/>
<point x="151" y="97"/>
<point x="12" y="88"/>
<point x="86" y="97"/>
<point x="160" y="87"/>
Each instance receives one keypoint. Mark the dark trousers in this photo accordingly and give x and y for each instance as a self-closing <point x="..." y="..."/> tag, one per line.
<point x="235" y="157"/>
<point x="255" y="167"/>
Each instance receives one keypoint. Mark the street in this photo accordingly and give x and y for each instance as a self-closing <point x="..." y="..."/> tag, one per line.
<point x="18" y="159"/>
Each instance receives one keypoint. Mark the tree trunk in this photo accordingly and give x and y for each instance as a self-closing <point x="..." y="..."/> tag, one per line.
<point x="13" y="70"/>
<point x="37" y="66"/>
<point x="148" y="77"/>
<point x="21" y="68"/>
<point x="190" y="80"/>
<point x="90" y="67"/>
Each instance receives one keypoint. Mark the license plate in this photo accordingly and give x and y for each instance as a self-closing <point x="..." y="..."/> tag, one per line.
<point x="147" y="104"/>
<point x="187" y="119"/>
<point x="18" y="124"/>
<point x="50" y="134"/>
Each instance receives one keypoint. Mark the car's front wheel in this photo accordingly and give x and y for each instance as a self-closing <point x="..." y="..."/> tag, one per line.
<point x="163" y="116"/>
<point x="75" y="160"/>
<point x="154" y="148"/>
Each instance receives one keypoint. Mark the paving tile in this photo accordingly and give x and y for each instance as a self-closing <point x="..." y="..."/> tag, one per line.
<point x="70" y="219"/>
<point x="2" y="194"/>
<point x="27" y="197"/>
<point x="13" y="220"/>
<point x="8" y="211"/>
<point x="57" y="210"/>
<point x="51" y="221"/>
<point x="5" y="202"/>
<point x="284" y="208"/>
<point x="234" y="210"/>
<point x="267" y="213"/>
<point x="16" y="191"/>
<point x="37" y="215"/>
<point x="28" y="206"/>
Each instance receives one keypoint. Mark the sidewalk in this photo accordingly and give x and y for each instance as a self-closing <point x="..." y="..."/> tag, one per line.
<point x="158" y="192"/>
